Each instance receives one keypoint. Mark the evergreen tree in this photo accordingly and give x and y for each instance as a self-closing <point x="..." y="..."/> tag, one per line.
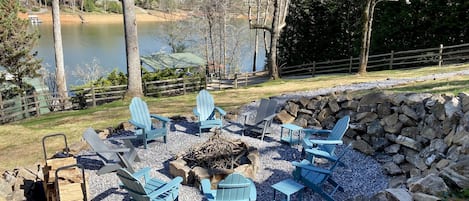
<point x="16" y="45"/>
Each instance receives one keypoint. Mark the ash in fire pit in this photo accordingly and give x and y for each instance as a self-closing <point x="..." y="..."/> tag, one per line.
<point x="215" y="159"/>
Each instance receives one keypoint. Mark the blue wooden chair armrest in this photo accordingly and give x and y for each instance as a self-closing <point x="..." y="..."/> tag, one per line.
<point x="322" y="154"/>
<point x="166" y="188"/>
<point x="207" y="189"/>
<point x="327" y="142"/>
<point x="196" y="113"/>
<point x="161" y="118"/>
<point x="310" y="167"/>
<point x="221" y="111"/>
<point x="144" y="172"/>
<point x="136" y="124"/>
<point x="312" y="131"/>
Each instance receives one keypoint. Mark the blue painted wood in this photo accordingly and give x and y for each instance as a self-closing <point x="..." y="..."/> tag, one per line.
<point x="288" y="187"/>
<point x="315" y="178"/>
<point x="142" y="187"/>
<point x="235" y="187"/>
<point x="325" y="147"/>
<point x="206" y="112"/>
<point x="141" y="119"/>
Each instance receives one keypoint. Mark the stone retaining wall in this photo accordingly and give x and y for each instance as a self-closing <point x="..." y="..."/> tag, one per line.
<point x="421" y="140"/>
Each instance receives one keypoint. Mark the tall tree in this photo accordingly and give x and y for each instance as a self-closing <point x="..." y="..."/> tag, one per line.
<point x="280" y="11"/>
<point x="16" y="44"/>
<point x="134" y="85"/>
<point x="59" y="54"/>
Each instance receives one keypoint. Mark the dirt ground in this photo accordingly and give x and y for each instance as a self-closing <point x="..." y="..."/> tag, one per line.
<point x="151" y="16"/>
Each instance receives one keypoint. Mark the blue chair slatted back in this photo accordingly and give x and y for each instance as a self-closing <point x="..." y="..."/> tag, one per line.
<point x="132" y="185"/>
<point x="337" y="133"/>
<point x="234" y="187"/>
<point x="205" y="105"/>
<point x="139" y="113"/>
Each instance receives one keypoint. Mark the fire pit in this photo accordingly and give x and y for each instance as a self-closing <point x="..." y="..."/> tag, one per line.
<point x="215" y="159"/>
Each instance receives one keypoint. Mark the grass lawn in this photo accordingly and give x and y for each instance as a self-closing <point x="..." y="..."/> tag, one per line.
<point x="21" y="143"/>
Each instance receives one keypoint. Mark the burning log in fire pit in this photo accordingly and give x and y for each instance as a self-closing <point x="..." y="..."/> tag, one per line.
<point x="215" y="159"/>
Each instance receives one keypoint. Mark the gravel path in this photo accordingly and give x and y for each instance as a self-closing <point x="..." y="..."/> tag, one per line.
<point x="363" y="176"/>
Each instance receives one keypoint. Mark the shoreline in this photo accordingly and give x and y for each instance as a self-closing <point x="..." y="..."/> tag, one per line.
<point x="93" y="18"/>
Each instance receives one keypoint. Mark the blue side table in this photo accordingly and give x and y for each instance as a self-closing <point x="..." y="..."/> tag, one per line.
<point x="289" y="187"/>
<point x="292" y="130"/>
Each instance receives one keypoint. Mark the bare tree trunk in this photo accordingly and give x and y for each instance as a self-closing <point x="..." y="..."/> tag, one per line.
<point x="366" y="36"/>
<point x="59" y="55"/>
<point x="134" y="84"/>
<point x="256" y="40"/>
<point x="275" y="35"/>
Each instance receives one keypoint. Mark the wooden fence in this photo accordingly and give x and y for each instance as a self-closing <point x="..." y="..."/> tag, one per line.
<point x="394" y="60"/>
<point x="238" y="80"/>
<point x="40" y="103"/>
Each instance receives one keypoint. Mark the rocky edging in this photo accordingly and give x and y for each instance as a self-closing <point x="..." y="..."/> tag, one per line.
<point x="421" y="140"/>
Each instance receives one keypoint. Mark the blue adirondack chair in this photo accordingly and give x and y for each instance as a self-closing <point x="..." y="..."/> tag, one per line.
<point x="142" y="187"/>
<point x="206" y="112"/>
<point x="141" y="119"/>
<point x="315" y="177"/>
<point x="325" y="147"/>
<point x="235" y="187"/>
<point x="265" y="113"/>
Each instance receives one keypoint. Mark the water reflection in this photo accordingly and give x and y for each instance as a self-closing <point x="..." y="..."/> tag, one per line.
<point x="105" y="42"/>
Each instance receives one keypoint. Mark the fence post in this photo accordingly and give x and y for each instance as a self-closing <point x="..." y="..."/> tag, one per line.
<point x="236" y="80"/>
<point x="246" y="75"/>
<point x="440" y="58"/>
<point x="184" y="85"/>
<point x="144" y="88"/>
<point x="314" y="69"/>
<point x="350" y="65"/>
<point x="36" y="103"/>
<point x="391" y="61"/>
<point x="2" y="113"/>
<point x="24" y="106"/>
<point x="93" y="95"/>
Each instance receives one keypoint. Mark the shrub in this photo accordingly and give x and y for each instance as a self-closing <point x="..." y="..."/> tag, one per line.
<point x="114" y="7"/>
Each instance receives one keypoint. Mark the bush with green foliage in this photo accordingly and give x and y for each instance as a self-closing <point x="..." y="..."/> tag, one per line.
<point x="114" y="7"/>
<point x="89" y="6"/>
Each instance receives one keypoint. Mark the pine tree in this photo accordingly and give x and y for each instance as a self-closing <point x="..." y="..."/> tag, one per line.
<point x="16" y="45"/>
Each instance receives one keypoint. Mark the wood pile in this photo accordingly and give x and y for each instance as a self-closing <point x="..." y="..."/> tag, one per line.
<point x="218" y="153"/>
<point x="69" y="181"/>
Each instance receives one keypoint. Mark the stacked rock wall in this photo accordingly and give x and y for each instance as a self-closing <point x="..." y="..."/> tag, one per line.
<point x="421" y="140"/>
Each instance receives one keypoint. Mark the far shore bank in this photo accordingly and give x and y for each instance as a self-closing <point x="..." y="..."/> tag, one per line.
<point x="153" y="16"/>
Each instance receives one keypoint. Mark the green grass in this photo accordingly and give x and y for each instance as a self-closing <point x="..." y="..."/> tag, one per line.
<point x="21" y="141"/>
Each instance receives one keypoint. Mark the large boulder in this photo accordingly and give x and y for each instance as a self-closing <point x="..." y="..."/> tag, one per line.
<point x="457" y="174"/>
<point x="431" y="184"/>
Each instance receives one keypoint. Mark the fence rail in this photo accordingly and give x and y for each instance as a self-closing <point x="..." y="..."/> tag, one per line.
<point x="36" y="104"/>
<point x="394" y="60"/>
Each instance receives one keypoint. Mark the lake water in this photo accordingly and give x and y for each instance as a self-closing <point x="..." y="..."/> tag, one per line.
<point x="105" y="43"/>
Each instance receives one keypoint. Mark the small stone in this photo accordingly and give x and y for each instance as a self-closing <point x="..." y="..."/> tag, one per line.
<point x="398" y="158"/>
<point x="398" y="194"/>
<point x="392" y="149"/>
<point x="391" y="168"/>
<point x="362" y="146"/>
<point x="416" y="161"/>
<point x="424" y="197"/>
<point x="408" y="142"/>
